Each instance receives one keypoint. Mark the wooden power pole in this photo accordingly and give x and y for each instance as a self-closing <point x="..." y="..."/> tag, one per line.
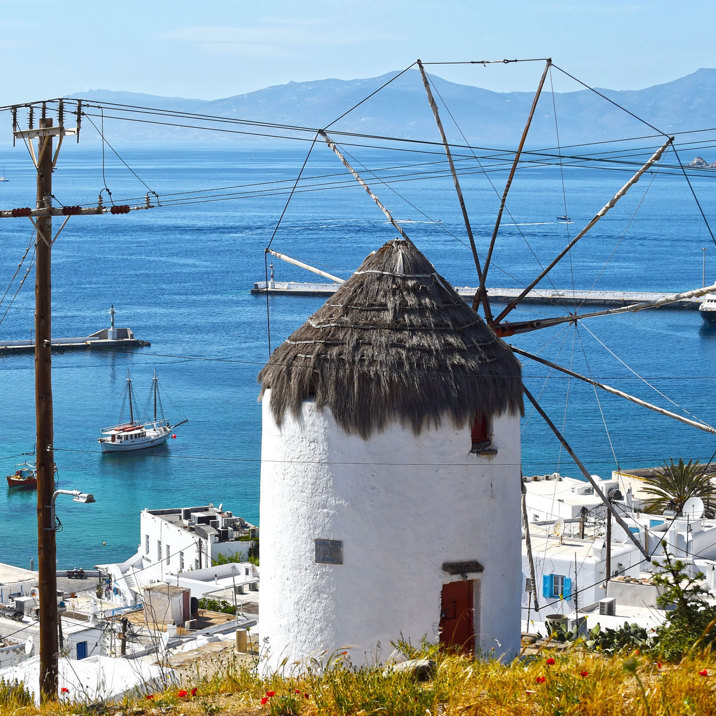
<point x="47" y="562"/>
<point x="41" y="216"/>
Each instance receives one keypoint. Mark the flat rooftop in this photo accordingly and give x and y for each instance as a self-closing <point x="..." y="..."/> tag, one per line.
<point x="10" y="574"/>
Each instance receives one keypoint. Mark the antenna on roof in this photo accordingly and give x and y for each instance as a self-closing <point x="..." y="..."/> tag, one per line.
<point x="693" y="508"/>
<point x="558" y="528"/>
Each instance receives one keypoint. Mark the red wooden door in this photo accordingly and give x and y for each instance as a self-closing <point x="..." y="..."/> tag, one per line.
<point x="457" y="616"/>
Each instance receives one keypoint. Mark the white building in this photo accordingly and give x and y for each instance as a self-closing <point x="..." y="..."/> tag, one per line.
<point x="571" y="572"/>
<point x="15" y="582"/>
<point x="390" y="483"/>
<point x="175" y="541"/>
<point x="555" y="496"/>
<point x="80" y="638"/>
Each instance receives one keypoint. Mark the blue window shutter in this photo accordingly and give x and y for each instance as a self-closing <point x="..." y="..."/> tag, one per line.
<point x="547" y="586"/>
<point x="567" y="590"/>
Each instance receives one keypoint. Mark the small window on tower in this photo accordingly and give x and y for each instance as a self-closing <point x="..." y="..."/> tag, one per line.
<point x="480" y="435"/>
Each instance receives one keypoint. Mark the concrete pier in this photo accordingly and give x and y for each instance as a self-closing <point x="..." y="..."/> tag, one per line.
<point x="122" y="338"/>
<point x="501" y="295"/>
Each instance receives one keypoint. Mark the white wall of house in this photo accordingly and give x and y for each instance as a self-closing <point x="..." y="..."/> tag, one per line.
<point x="400" y="505"/>
<point x="74" y="632"/>
<point x="555" y="573"/>
<point x="168" y="548"/>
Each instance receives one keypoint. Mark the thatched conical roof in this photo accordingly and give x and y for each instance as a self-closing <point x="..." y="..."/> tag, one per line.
<point x="394" y="343"/>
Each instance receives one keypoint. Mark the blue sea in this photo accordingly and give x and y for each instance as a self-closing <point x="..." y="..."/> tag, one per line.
<point x="180" y="276"/>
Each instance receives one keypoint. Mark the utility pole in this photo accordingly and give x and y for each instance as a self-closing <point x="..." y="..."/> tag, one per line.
<point x="46" y="546"/>
<point x="41" y="217"/>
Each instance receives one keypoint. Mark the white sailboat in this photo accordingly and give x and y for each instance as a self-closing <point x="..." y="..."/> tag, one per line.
<point x="138" y="434"/>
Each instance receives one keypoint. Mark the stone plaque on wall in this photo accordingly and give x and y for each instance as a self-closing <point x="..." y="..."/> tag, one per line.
<point x="329" y="551"/>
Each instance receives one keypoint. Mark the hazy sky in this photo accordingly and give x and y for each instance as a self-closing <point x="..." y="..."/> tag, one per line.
<point x="219" y="48"/>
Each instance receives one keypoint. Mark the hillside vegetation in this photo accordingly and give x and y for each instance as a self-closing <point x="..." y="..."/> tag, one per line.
<point x="548" y="682"/>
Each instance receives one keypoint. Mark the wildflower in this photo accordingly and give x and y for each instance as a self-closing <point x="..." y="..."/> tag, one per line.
<point x="193" y="691"/>
<point x="658" y="664"/>
<point x="705" y="672"/>
<point x="550" y="661"/>
<point x="584" y="674"/>
<point x="64" y="690"/>
<point x="306" y="696"/>
<point x="541" y="679"/>
<point x="182" y="694"/>
<point x="264" y="700"/>
<point x="270" y="694"/>
<point x="297" y="691"/>
<point x="636" y="652"/>
<point x="149" y="697"/>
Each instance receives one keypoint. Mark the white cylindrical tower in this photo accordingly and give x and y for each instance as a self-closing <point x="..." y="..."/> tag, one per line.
<point x="390" y="475"/>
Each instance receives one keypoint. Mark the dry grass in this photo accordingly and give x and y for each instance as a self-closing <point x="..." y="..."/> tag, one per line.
<point x="576" y="683"/>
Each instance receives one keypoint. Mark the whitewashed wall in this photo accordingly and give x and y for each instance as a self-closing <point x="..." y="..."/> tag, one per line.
<point x="402" y="505"/>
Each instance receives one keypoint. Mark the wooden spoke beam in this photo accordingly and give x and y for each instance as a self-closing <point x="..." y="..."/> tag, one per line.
<point x="602" y="212"/>
<point x="587" y="474"/>
<point x="509" y="329"/>
<point x="693" y="423"/>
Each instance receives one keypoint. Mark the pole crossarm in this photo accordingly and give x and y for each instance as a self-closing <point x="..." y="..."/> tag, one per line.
<point x="602" y="212"/>
<point x="70" y="211"/>
<point x="509" y="329"/>
<point x="44" y="132"/>
<point x="586" y="474"/>
<point x="693" y="423"/>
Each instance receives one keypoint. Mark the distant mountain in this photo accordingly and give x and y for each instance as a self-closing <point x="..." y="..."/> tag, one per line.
<point x="484" y="117"/>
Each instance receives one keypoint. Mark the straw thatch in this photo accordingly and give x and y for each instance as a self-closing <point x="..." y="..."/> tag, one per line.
<point x="394" y="343"/>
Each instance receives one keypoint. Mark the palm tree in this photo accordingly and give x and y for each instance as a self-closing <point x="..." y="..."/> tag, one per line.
<point x="673" y="484"/>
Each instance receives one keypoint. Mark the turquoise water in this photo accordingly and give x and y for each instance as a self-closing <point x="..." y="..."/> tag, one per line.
<point x="180" y="276"/>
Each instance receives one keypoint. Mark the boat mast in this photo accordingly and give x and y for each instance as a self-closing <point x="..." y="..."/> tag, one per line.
<point x="154" y="386"/>
<point x="129" y="390"/>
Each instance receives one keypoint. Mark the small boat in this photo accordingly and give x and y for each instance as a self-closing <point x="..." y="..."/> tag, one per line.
<point x="3" y="177"/>
<point x="707" y="309"/>
<point x="564" y="217"/>
<point x="138" y="434"/>
<point x="25" y="477"/>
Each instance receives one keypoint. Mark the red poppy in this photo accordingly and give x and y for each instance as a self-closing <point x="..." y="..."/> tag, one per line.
<point x="306" y="696"/>
<point x="704" y="672"/>
<point x="264" y="700"/>
<point x="658" y="664"/>
<point x="584" y="674"/>
<point x="636" y="652"/>
<point x="270" y="694"/>
<point x="182" y="694"/>
<point x="550" y="661"/>
<point x="541" y="679"/>
<point x="193" y="691"/>
<point x="64" y="690"/>
<point x="149" y="697"/>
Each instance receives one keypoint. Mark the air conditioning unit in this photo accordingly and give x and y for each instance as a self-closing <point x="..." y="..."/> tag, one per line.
<point x="608" y="607"/>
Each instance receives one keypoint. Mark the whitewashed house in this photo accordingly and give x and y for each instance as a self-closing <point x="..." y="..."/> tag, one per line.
<point x="175" y="541"/>
<point x="571" y="572"/>
<point x="15" y="582"/>
<point x="390" y="473"/>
